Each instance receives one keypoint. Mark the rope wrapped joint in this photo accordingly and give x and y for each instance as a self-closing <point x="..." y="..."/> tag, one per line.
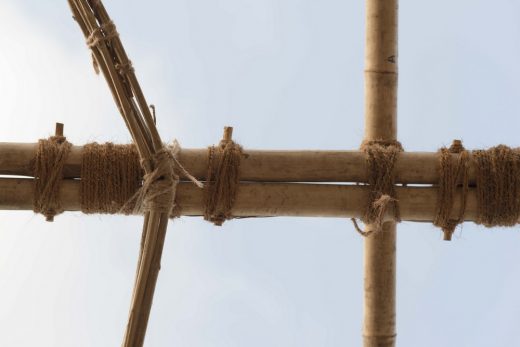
<point x="498" y="186"/>
<point x="452" y="175"/>
<point x="222" y="179"/>
<point x="159" y="185"/>
<point x="380" y="157"/>
<point x="104" y="32"/>
<point x="50" y="158"/>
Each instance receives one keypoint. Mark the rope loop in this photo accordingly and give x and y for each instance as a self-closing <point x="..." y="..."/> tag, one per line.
<point x="104" y="32"/>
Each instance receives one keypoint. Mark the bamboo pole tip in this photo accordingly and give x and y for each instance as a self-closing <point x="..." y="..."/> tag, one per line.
<point x="457" y="143"/>
<point x="59" y="129"/>
<point x="456" y="146"/>
<point x="228" y="133"/>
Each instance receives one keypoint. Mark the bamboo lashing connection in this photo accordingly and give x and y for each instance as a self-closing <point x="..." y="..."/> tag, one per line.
<point x="48" y="173"/>
<point x="452" y="175"/>
<point x="418" y="202"/>
<point x="110" y="177"/>
<point x="380" y="184"/>
<point x="222" y="179"/>
<point x="381" y="157"/>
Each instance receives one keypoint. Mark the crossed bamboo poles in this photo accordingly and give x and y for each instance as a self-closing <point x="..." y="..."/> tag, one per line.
<point x="110" y="57"/>
<point x="380" y="124"/>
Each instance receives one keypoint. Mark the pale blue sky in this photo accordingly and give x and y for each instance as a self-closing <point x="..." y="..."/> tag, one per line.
<point x="286" y="74"/>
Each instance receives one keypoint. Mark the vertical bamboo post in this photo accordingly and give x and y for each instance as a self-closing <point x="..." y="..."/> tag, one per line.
<point x="380" y="124"/>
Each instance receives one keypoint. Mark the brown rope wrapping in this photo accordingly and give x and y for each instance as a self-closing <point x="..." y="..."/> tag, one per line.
<point x="51" y="155"/>
<point x="112" y="182"/>
<point x="110" y="176"/>
<point x="222" y="181"/>
<point x="159" y="186"/>
<point x="498" y="186"/>
<point x="451" y="176"/>
<point x="104" y="32"/>
<point x="380" y="157"/>
<point x="121" y="189"/>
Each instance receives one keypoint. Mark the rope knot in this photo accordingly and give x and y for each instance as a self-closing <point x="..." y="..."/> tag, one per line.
<point x="104" y="32"/>
<point x="159" y="185"/>
<point x="124" y="68"/>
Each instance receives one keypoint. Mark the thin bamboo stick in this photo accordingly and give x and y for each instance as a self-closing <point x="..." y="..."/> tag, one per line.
<point x="380" y="124"/>
<point x="417" y="204"/>
<point x="261" y="165"/>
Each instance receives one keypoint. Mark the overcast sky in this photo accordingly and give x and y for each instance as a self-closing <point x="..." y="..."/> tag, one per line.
<point x="287" y="74"/>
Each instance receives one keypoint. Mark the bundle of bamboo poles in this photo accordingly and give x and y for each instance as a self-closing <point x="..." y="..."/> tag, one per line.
<point x="111" y="59"/>
<point x="273" y="183"/>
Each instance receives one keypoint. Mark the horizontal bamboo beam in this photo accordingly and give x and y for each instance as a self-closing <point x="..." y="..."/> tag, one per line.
<point x="260" y="165"/>
<point x="265" y="199"/>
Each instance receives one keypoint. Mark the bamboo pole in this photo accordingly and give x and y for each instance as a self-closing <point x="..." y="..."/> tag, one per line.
<point x="380" y="124"/>
<point x="417" y="204"/>
<point x="260" y="165"/>
<point x="111" y="58"/>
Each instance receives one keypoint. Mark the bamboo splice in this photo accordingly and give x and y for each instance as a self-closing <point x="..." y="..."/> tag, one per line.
<point x="380" y="124"/>
<point x="267" y="200"/>
<point x="261" y="165"/>
<point x="112" y="60"/>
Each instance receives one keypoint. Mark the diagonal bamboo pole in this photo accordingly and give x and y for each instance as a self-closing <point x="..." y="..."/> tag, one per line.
<point x="112" y="60"/>
<point x="380" y="124"/>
